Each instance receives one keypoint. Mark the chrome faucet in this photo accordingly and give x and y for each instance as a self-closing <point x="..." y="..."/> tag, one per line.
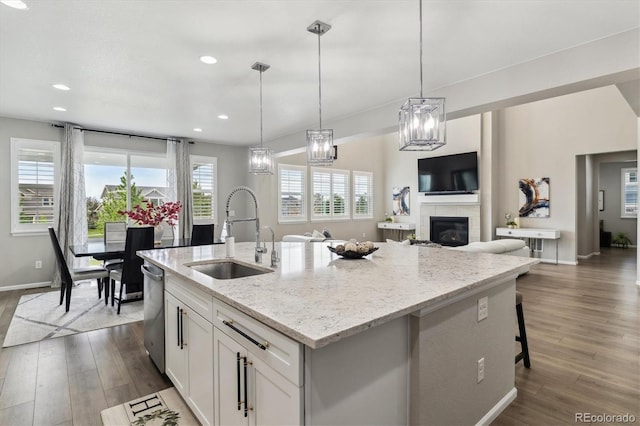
<point x="259" y="250"/>
<point x="274" y="253"/>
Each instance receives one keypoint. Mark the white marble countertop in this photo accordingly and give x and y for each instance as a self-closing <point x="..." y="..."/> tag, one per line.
<point x="316" y="297"/>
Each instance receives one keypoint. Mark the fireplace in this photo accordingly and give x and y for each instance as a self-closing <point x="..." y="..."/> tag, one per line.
<point x="449" y="231"/>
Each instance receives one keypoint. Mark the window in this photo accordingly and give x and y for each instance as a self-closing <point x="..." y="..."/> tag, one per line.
<point x="629" y="194"/>
<point x="362" y="195"/>
<point x="204" y="178"/>
<point x="292" y="183"/>
<point x="330" y="189"/>
<point x="35" y="169"/>
<point x="119" y="180"/>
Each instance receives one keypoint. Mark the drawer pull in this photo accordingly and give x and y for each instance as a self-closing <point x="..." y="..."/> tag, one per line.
<point x="246" y="336"/>
<point x="238" y="378"/>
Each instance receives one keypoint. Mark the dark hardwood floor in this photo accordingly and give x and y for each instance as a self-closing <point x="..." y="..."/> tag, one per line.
<point x="582" y="324"/>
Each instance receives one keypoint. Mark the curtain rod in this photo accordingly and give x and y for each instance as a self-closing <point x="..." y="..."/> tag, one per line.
<point x="120" y="133"/>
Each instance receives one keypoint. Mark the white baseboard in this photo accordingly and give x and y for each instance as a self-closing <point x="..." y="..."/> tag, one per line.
<point x="560" y="262"/>
<point x="588" y="256"/>
<point x="498" y="408"/>
<point x="25" y="286"/>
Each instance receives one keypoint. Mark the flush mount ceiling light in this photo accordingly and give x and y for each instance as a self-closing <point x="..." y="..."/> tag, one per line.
<point x="61" y="86"/>
<point x="61" y="109"/>
<point x="16" y="4"/>
<point x="209" y="60"/>
<point x="422" y="121"/>
<point x="260" y="157"/>
<point x="320" y="141"/>
<point x="197" y="129"/>
<point x="223" y="117"/>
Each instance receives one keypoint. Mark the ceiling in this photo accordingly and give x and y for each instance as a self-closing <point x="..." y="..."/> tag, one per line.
<point x="134" y="66"/>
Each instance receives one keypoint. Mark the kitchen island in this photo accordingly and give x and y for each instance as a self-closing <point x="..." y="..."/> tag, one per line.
<point x="393" y="338"/>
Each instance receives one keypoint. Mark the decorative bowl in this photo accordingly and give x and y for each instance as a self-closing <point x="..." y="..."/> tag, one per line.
<point x="348" y="254"/>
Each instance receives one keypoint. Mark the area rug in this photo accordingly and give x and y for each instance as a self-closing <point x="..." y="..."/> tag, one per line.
<point x="40" y="316"/>
<point x="160" y="408"/>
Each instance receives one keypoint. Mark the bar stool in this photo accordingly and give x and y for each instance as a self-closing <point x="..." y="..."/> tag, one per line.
<point x="522" y="338"/>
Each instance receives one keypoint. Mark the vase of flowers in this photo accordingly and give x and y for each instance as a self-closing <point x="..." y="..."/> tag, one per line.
<point x="155" y="216"/>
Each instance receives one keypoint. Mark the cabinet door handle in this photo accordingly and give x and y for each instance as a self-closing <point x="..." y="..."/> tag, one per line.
<point x="182" y="343"/>
<point x="246" y="400"/>
<point x="178" y="325"/>
<point x="246" y="336"/>
<point x="238" y="378"/>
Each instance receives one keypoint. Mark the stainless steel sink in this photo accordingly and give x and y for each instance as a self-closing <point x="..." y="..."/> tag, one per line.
<point x="227" y="269"/>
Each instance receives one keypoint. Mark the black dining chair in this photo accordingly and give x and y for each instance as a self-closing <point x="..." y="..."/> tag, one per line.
<point x="202" y="235"/>
<point x="68" y="277"/>
<point x="114" y="233"/>
<point x="130" y="276"/>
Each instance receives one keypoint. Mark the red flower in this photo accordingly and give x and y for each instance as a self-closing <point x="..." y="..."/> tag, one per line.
<point x="154" y="215"/>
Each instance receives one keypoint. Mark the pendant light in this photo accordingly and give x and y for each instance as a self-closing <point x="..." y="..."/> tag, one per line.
<point x="260" y="158"/>
<point x="422" y="121"/>
<point x="319" y="142"/>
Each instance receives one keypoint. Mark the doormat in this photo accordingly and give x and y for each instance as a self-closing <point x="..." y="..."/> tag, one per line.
<point x="164" y="408"/>
<point x="40" y="316"/>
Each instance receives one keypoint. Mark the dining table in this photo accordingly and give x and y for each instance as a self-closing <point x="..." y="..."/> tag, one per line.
<point x="100" y="250"/>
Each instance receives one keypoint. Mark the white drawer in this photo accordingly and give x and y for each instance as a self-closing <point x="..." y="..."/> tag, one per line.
<point x="550" y="234"/>
<point x="275" y="349"/>
<point x="192" y="296"/>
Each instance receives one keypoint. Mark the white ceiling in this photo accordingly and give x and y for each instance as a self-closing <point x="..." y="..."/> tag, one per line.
<point x="134" y="66"/>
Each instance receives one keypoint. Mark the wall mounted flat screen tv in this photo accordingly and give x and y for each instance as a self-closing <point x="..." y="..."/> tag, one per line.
<point x="448" y="174"/>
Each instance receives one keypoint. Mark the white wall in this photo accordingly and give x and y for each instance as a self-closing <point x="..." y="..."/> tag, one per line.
<point x="542" y="139"/>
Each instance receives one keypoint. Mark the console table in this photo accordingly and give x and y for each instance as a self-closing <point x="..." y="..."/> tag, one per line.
<point x="395" y="231"/>
<point x="531" y="234"/>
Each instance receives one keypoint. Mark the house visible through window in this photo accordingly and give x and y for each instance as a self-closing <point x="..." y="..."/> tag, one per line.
<point x="35" y="168"/>
<point x="292" y="193"/>
<point x="629" y="192"/>
<point x="330" y="189"/>
<point x="118" y="180"/>
<point x="204" y="177"/>
<point x="362" y="195"/>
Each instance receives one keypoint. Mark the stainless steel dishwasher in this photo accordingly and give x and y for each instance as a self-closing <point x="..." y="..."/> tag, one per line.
<point x="154" y="313"/>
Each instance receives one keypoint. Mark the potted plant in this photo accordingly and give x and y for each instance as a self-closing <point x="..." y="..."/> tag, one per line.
<point x="155" y="215"/>
<point x="621" y="240"/>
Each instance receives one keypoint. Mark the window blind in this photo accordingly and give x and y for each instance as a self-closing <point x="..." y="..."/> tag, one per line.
<point x="204" y="188"/>
<point x="362" y="195"/>
<point x="629" y="192"/>
<point x="291" y="197"/>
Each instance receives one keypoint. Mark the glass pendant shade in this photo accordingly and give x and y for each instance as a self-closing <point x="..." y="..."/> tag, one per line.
<point x="260" y="160"/>
<point x="422" y="124"/>
<point x="260" y="157"/>
<point x="320" y="147"/>
<point x="320" y="150"/>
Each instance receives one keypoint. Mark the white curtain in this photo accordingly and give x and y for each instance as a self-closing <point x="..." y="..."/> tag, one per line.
<point x="72" y="205"/>
<point x="179" y="183"/>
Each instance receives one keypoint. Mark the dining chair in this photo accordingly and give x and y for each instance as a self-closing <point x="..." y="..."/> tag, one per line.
<point x="114" y="232"/>
<point x="202" y="235"/>
<point x="130" y="275"/>
<point x="68" y="277"/>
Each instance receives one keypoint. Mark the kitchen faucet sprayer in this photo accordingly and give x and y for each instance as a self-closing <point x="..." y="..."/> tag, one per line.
<point x="259" y="250"/>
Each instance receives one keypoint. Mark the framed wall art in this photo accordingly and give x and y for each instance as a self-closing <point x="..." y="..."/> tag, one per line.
<point x="534" y="197"/>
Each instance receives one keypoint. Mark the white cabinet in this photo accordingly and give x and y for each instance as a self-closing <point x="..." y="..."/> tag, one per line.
<point x="257" y="373"/>
<point x="189" y="356"/>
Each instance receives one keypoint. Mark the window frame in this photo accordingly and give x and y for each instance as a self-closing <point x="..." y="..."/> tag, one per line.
<point x="303" y="216"/>
<point x="213" y="161"/>
<point x="369" y="214"/>
<point x="623" y="192"/>
<point x="332" y="216"/>
<point x="54" y="147"/>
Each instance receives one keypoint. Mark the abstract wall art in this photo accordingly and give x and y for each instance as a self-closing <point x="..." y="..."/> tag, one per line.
<point x="401" y="201"/>
<point x="534" y="197"/>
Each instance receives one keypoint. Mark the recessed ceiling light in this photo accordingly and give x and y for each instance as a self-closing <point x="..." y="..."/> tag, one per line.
<point x="61" y="86"/>
<point x="208" y="59"/>
<point x="197" y="129"/>
<point x="59" y="109"/>
<point x="223" y="117"/>
<point x="16" y="4"/>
